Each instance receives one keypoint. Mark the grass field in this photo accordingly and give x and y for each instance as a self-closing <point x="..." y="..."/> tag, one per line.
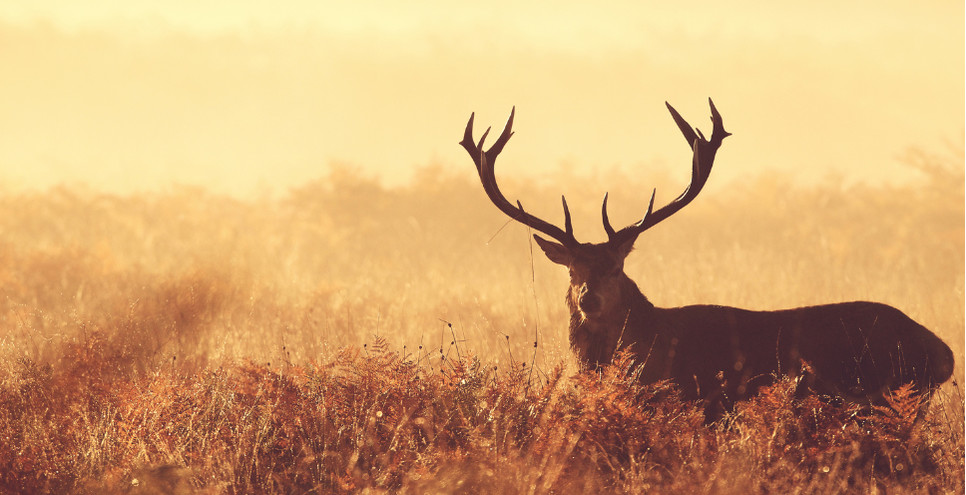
<point x="347" y="337"/>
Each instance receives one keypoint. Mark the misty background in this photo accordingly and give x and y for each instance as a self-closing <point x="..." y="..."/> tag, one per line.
<point x="252" y="98"/>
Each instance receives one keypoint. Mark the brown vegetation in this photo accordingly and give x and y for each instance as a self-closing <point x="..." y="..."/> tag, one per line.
<point x="185" y="341"/>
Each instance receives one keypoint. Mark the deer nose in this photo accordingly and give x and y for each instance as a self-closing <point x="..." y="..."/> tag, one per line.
<point x="589" y="303"/>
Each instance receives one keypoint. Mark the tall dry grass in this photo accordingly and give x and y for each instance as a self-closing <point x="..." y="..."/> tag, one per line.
<point x="189" y="341"/>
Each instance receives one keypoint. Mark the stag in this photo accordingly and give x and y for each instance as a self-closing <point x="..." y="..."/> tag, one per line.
<point x="853" y="351"/>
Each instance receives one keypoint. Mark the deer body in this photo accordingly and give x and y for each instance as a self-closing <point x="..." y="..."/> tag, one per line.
<point x="856" y="351"/>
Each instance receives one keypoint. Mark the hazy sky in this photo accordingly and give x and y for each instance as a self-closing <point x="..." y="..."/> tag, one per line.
<point x="615" y="22"/>
<point x="242" y="95"/>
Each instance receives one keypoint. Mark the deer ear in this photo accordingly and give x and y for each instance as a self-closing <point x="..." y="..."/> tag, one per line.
<point x="625" y="246"/>
<point x="556" y="252"/>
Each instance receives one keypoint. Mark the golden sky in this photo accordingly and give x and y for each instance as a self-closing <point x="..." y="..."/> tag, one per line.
<point x="245" y="96"/>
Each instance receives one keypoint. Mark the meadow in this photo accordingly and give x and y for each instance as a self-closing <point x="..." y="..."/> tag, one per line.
<point x="349" y="337"/>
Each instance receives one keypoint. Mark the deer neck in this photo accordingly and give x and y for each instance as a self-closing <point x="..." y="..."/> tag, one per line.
<point x="596" y="340"/>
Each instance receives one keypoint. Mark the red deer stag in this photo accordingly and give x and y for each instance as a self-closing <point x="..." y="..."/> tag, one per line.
<point x="856" y="351"/>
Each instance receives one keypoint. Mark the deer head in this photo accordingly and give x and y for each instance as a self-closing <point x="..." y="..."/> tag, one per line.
<point x="596" y="269"/>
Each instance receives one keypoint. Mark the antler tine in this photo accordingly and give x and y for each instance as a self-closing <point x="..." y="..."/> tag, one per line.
<point x="483" y="137"/>
<point x="468" y="144"/>
<point x="650" y="207"/>
<point x="717" y="123"/>
<point x="568" y="226"/>
<point x="485" y="162"/>
<point x="502" y="140"/>
<point x="686" y="129"/>
<point x="703" y="153"/>
<point x="603" y="214"/>
<point x="611" y="234"/>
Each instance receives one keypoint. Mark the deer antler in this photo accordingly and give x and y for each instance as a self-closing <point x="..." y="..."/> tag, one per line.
<point x="703" y="158"/>
<point x="484" y="166"/>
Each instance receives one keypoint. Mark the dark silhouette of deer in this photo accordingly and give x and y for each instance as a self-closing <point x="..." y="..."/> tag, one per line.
<point x="855" y="351"/>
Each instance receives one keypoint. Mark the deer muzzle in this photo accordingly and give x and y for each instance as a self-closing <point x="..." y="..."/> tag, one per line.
<point x="588" y="302"/>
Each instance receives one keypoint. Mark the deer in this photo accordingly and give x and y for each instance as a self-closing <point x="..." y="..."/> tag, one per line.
<point x="854" y="352"/>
